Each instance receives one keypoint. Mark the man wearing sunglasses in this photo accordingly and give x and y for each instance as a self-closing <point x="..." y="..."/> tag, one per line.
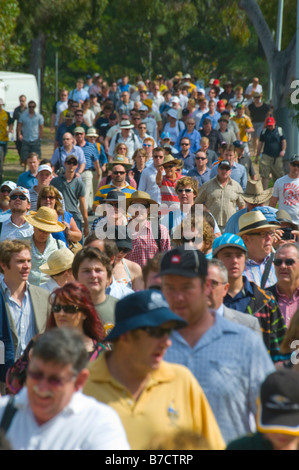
<point x="69" y="147"/>
<point x="286" y="191"/>
<point x="286" y="290"/>
<point x="51" y="413"/>
<point x="151" y="396"/>
<point x="15" y="226"/>
<point x="201" y="172"/>
<point x="229" y="361"/>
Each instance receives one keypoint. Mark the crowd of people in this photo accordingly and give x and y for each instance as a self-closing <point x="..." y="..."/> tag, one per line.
<point x="149" y="271"/>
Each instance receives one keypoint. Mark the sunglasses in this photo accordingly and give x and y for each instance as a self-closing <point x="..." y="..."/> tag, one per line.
<point x="216" y="283"/>
<point x="288" y="262"/>
<point x="185" y="190"/>
<point x="79" y="133"/>
<point x="118" y="172"/>
<point x="200" y="158"/>
<point x="3" y="190"/>
<point x="48" y="197"/>
<point x="167" y="167"/>
<point x="71" y="162"/>
<point x="156" y="331"/>
<point x="66" y="308"/>
<point x="14" y="197"/>
<point x="295" y="164"/>
<point x="184" y="145"/>
<point x="147" y="145"/>
<point x="52" y="380"/>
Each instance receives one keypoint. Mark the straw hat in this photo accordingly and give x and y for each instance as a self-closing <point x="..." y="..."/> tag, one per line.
<point x="170" y="159"/>
<point x="92" y="132"/>
<point x="119" y="160"/>
<point x="58" y="262"/>
<point x="45" y="219"/>
<point x="140" y="197"/>
<point x="255" y="194"/>
<point x="253" y="220"/>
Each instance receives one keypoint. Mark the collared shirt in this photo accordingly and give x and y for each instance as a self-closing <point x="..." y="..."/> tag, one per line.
<point x="189" y="161"/>
<point x="243" y="123"/>
<point x="254" y="272"/>
<point x="241" y="299"/>
<point x="36" y="277"/>
<point x="27" y="180"/>
<point x="132" y="142"/>
<point x="201" y="178"/>
<point x="147" y="183"/>
<point x="230" y="363"/>
<point x="170" y="400"/>
<point x="214" y="119"/>
<point x="12" y="231"/>
<point x="60" y="155"/>
<point x="103" y="191"/>
<point x="72" y="191"/>
<point x="168" y="194"/>
<point x="194" y="137"/>
<point x="22" y="316"/>
<point x="221" y="201"/>
<point x="145" y="246"/>
<point x="91" y="155"/>
<point x="83" y="424"/>
<point x="288" y="307"/>
<point x="79" y="95"/>
<point x="238" y="174"/>
<point x="30" y="125"/>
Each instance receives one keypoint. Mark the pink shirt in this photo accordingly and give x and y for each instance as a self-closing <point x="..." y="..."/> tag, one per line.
<point x="287" y="306"/>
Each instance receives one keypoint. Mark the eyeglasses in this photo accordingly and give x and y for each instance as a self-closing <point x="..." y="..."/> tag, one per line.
<point x="14" y="197"/>
<point x="183" y="144"/>
<point x="215" y="283"/>
<point x="66" y="308"/>
<point x="185" y="190"/>
<point x="147" y="145"/>
<point x="71" y="162"/>
<point x="263" y="235"/>
<point x="167" y="167"/>
<point x="288" y="262"/>
<point x="48" y="197"/>
<point x="156" y="331"/>
<point x="52" y="380"/>
<point x="200" y="158"/>
<point x="118" y="172"/>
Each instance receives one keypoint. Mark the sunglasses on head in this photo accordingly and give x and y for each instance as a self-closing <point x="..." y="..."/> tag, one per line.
<point x="288" y="262"/>
<point x="156" y="331"/>
<point x="14" y="197"/>
<point x="66" y="308"/>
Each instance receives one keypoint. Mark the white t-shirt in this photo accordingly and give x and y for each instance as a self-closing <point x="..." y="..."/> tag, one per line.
<point x="287" y="191"/>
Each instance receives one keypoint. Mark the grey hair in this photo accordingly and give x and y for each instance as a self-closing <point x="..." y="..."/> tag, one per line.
<point x="221" y="267"/>
<point x="64" y="346"/>
<point x="288" y="245"/>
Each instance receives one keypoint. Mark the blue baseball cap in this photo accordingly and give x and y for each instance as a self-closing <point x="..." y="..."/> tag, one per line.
<point x="165" y="135"/>
<point x="269" y="213"/>
<point x="144" y="308"/>
<point x="228" y="240"/>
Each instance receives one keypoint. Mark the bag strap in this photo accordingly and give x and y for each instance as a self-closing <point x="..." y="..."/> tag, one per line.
<point x="8" y="415"/>
<point x="1" y="223"/>
<point x="267" y="271"/>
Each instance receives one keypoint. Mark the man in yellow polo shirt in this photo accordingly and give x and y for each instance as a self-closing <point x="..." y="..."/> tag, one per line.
<point x="6" y="125"/>
<point x="244" y="124"/>
<point x="152" y="397"/>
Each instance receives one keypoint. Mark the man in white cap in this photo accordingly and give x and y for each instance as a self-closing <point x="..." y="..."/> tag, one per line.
<point x="126" y="136"/>
<point x="69" y="148"/>
<point x="150" y="122"/>
<point x="44" y="178"/>
<point x="16" y="226"/>
<point x="5" y="188"/>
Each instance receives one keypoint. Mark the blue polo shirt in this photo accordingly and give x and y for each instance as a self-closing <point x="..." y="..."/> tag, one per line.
<point x="241" y="301"/>
<point x="27" y="180"/>
<point x="206" y="176"/>
<point x="189" y="161"/>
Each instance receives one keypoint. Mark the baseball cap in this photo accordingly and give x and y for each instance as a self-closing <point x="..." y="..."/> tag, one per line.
<point x="238" y="144"/>
<point x="278" y="405"/>
<point x="186" y="263"/>
<point x="165" y="135"/>
<point x="294" y="158"/>
<point x="141" y="309"/>
<point x="228" y="240"/>
<point x="10" y="184"/>
<point x="70" y="157"/>
<point x="20" y="189"/>
<point x="224" y="163"/>
<point x="268" y="212"/>
<point x="270" y="121"/>
<point x="240" y="106"/>
<point x="44" y="168"/>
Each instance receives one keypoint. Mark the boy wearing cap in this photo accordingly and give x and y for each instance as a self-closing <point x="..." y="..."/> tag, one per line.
<point x="5" y="188"/>
<point x="274" y="145"/>
<point x="228" y="360"/>
<point x="16" y="226"/>
<point x="150" y="395"/>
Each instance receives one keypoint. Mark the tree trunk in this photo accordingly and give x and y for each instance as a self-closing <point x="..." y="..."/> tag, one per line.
<point x="37" y="59"/>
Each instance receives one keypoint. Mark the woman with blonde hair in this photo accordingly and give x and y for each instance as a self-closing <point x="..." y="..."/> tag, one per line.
<point x="290" y="343"/>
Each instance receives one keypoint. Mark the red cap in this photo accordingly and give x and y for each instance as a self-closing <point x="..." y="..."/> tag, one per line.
<point x="216" y="82"/>
<point x="270" y="121"/>
<point x="220" y="103"/>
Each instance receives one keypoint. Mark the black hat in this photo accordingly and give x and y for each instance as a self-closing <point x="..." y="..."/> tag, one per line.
<point x="279" y="403"/>
<point x="224" y="163"/>
<point x="181" y="262"/>
<point x="114" y="196"/>
<point x="122" y="238"/>
<point x="294" y="158"/>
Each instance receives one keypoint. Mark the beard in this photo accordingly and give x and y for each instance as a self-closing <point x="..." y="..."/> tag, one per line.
<point x="4" y="202"/>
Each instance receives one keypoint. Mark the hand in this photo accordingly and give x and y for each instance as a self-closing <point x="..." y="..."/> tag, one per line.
<point x="78" y="174"/>
<point x="86" y="228"/>
<point x="282" y="153"/>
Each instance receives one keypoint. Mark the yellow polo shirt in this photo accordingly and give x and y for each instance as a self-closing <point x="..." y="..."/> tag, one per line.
<point x="172" y="400"/>
<point x="243" y="123"/>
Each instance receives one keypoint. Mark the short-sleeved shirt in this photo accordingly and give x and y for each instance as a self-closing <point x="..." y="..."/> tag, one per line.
<point x="272" y="141"/>
<point x="5" y="120"/>
<point x="71" y="191"/>
<point x="103" y="191"/>
<point x="201" y="178"/>
<point x="30" y="125"/>
<point x="286" y="189"/>
<point x="91" y="155"/>
<point x="244" y="122"/>
<point x="27" y="180"/>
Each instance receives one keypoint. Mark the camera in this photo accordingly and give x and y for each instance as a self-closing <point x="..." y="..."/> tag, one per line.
<point x="287" y="234"/>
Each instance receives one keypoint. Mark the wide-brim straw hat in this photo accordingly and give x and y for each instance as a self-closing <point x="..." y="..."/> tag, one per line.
<point x="170" y="159"/>
<point x="58" y="262"/>
<point x="45" y="219"/>
<point x="140" y="197"/>
<point x="119" y="160"/>
<point x="255" y="193"/>
<point x="252" y="221"/>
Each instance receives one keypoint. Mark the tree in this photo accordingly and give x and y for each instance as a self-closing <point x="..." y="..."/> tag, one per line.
<point x="10" y="51"/>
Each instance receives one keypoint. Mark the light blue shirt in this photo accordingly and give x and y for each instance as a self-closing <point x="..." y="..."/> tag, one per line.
<point x="4" y="215"/>
<point x="30" y="125"/>
<point x="230" y="363"/>
<point x="232" y="225"/>
<point x="13" y="231"/>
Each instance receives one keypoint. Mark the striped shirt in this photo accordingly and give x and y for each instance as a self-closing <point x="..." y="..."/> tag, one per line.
<point x="167" y="188"/>
<point x="22" y="316"/>
<point x="254" y="272"/>
<point x="91" y="155"/>
<point x="103" y="191"/>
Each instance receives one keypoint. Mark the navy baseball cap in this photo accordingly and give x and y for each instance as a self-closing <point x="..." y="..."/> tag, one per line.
<point x="143" y="308"/>
<point x="186" y="263"/>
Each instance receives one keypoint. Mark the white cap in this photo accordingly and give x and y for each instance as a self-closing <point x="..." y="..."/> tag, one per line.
<point x="45" y="167"/>
<point x="173" y="113"/>
<point x="10" y="184"/>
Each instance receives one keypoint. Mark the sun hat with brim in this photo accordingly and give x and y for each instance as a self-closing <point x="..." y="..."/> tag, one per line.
<point x="144" y="308"/>
<point x="255" y="193"/>
<point x="284" y="216"/>
<point x="45" y="219"/>
<point x="186" y="263"/>
<point x="125" y="124"/>
<point x="228" y="240"/>
<point x="58" y="262"/>
<point x="170" y="159"/>
<point x="92" y="132"/>
<point x="252" y="221"/>
<point x="119" y="160"/>
<point x="278" y="403"/>
<point x="79" y="130"/>
<point x="172" y="113"/>
<point x="140" y="197"/>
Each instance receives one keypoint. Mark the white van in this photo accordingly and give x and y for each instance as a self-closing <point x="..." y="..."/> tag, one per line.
<point x="13" y="84"/>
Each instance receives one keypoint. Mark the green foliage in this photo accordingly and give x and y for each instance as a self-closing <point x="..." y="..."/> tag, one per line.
<point x="10" y="52"/>
<point x="270" y="12"/>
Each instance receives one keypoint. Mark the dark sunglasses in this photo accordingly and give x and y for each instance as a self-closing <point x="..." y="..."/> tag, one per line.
<point x="71" y="162"/>
<point x="185" y="145"/>
<point x="79" y="133"/>
<point x="169" y="166"/>
<point x="48" y="197"/>
<point x="14" y="197"/>
<point x="66" y="308"/>
<point x="185" y="190"/>
<point x="3" y="190"/>
<point x="200" y="158"/>
<point x="188" y="240"/>
<point x="118" y="172"/>
<point x="52" y="380"/>
<point x="156" y="331"/>
<point x="295" y="164"/>
<point x="288" y="262"/>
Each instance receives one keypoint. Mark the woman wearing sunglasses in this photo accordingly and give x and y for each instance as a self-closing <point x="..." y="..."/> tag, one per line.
<point x="72" y="307"/>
